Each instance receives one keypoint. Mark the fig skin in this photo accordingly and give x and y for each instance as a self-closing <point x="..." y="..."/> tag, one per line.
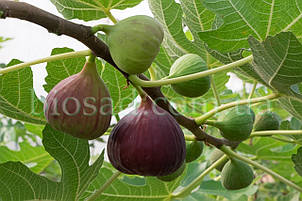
<point x="80" y="105"/>
<point x="148" y="142"/>
<point x="237" y="124"/>
<point x="186" y="65"/>
<point x="267" y="121"/>
<point x="134" y="42"/>
<point x="236" y="175"/>
<point x="193" y="150"/>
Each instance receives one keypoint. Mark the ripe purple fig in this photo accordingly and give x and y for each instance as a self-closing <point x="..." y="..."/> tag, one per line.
<point x="80" y="105"/>
<point x="148" y="142"/>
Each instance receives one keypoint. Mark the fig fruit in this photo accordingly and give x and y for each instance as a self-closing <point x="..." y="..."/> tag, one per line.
<point x="186" y="65"/>
<point x="237" y="124"/>
<point x="174" y="175"/>
<point x="148" y="142"/>
<point x="236" y="175"/>
<point x="134" y="42"/>
<point x="193" y="150"/>
<point x="215" y="155"/>
<point x="80" y="105"/>
<point x="267" y="121"/>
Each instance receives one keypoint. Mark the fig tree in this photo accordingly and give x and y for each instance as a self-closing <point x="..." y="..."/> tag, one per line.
<point x="236" y="175"/>
<point x="134" y="42"/>
<point x="237" y="124"/>
<point x="148" y="142"/>
<point x="193" y="150"/>
<point x="267" y="121"/>
<point x="80" y="105"/>
<point x="186" y="65"/>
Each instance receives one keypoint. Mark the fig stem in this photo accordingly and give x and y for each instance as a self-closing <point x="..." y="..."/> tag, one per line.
<point x="276" y="132"/>
<point x="101" y="27"/>
<point x="140" y="91"/>
<point x="190" y="138"/>
<point x="253" y="90"/>
<point x="96" y="194"/>
<point x="233" y="154"/>
<point x="196" y="182"/>
<point x="91" y="58"/>
<point x="46" y="59"/>
<point x="200" y="120"/>
<point x="134" y="79"/>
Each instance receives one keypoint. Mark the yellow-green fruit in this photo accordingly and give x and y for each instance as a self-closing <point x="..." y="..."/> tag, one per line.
<point x="215" y="155"/>
<point x="134" y="42"/>
<point x="236" y="175"/>
<point x="174" y="175"/>
<point x="193" y="150"/>
<point x="186" y="65"/>
<point x="267" y="121"/>
<point x="237" y="124"/>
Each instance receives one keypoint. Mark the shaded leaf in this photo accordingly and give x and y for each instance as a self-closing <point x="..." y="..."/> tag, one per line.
<point x="297" y="159"/>
<point x="90" y="9"/>
<point x="17" y="96"/>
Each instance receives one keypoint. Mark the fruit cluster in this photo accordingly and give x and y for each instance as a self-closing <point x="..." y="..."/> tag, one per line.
<point x="148" y="141"/>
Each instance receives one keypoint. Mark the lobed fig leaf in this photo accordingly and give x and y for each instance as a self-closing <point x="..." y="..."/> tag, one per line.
<point x="237" y="124"/>
<point x="174" y="175"/>
<point x="193" y="150"/>
<point x="80" y="105"/>
<point x="267" y="121"/>
<point x="148" y="142"/>
<point x="215" y="155"/>
<point x="186" y="65"/>
<point x="236" y="175"/>
<point x="134" y="42"/>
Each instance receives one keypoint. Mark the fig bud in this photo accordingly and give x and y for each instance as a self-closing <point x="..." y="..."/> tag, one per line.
<point x="267" y="121"/>
<point x="134" y="42"/>
<point x="236" y="175"/>
<point x="80" y="105"/>
<point x="193" y="150"/>
<point x="148" y="142"/>
<point x="237" y="124"/>
<point x="186" y="65"/>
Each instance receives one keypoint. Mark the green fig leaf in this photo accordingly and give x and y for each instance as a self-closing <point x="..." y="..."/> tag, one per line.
<point x="154" y="189"/>
<point x="20" y="183"/>
<point x="90" y="9"/>
<point x="297" y="159"/>
<point x="61" y="69"/>
<point x="278" y="61"/>
<point x="17" y="96"/>
<point x="35" y="157"/>
<point x="169" y="14"/>
<point x="121" y="94"/>
<point x="240" y="21"/>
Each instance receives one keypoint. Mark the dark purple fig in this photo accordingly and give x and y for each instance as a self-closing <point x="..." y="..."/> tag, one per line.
<point x="80" y="105"/>
<point x="148" y="142"/>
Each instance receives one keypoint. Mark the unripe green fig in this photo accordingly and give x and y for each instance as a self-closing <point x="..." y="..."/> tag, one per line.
<point x="267" y="121"/>
<point x="80" y="105"/>
<point x="174" y="175"/>
<point x="134" y="42"/>
<point x="186" y="65"/>
<point x="236" y="175"/>
<point x="215" y="155"/>
<point x="193" y="150"/>
<point x="237" y="124"/>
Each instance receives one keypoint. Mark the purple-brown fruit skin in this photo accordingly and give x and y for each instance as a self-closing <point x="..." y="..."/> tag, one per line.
<point x="148" y="142"/>
<point x="90" y="91"/>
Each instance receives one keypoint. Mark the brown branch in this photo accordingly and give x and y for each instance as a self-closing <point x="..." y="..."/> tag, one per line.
<point x="82" y="33"/>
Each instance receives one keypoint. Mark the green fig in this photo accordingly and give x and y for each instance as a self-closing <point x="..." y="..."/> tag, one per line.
<point x="134" y="42"/>
<point x="237" y="124"/>
<point x="173" y="175"/>
<point x="193" y="150"/>
<point x="236" y="175"/>
<point x="186" y="65"/>
<point x="215" y="155"/>
<point x="267" y="121"/>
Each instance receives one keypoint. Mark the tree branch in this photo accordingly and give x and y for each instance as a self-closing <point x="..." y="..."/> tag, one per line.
<point x="82" y="33"/>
